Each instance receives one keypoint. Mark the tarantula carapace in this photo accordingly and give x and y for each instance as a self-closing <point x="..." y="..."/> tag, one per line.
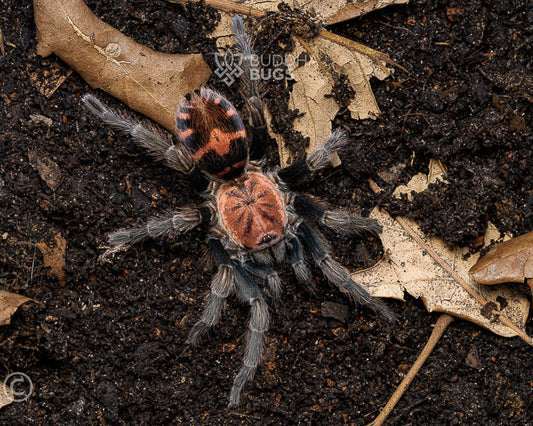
<point x="255" y="220"/>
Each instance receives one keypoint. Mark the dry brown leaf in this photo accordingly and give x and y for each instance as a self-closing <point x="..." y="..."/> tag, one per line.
<point x="9" y="303"/>
<point x="315" y="83"/>
<point x="510" y="261"/>
<point x="430" y="269"/>
<point x="420" y="182"/>
<point x="6" y="395"/>
<point x="48" y="170"/>
<point x="353" y="10"/>
<point x="310" y="96"/>
<point x="314" y="80"/>
<point x="149" y="82"/>
<point x="48" y="81"/>
<point x="54" y="257"/>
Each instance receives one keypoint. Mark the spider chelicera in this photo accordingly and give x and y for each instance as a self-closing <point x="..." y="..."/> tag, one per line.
<point x="255" y="220"/>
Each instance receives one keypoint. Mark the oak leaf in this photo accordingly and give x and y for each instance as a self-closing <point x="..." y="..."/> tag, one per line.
<point x="311" y="93"/>
<point x="509" y="261"/>
<point x="9" y="303"/>
<point x="6" y="395"/>
<point x="437" y="272"/>
<point x="149" y="82"/>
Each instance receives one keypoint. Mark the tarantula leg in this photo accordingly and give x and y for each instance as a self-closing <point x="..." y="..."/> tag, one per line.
<point x="249" y="64"/>
<point x="259" y="132"/>
<point x="158" y="144"/>
<point x="335" y="220"/>
<point x="222" y="285"/>
<point x="250" y="82"/>
<point x="179" y="223"/>
<point x="337" y="274"/>
<point x="299" y="265"/>
<point x="317" y="160"/>
<point x="248" y="291"/>
<point x="265" y="273"/>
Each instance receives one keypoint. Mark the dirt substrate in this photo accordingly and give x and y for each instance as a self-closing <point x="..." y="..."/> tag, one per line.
<point x="108" y="346"/>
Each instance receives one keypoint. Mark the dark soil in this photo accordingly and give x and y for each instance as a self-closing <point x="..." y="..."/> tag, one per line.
<point x="108" y="346"/>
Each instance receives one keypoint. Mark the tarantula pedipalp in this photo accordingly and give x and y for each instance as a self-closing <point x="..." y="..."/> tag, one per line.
<point x="255" y="220"/>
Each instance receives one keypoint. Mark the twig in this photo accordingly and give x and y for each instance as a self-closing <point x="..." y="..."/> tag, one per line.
<point x="365" y="50"/>
<point x="409" y="113"/>
<point x="440" y="327"/>
<point x="227" y="6"/>
<point x="33" y="263"/>
<point x="2" y="47"/>
<point x="395" y="27"/>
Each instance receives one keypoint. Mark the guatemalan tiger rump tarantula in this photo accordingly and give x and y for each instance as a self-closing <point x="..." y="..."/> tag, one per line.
<point x="255" y="220"/>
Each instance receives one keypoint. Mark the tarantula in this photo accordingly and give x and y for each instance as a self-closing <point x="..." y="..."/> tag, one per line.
<point x="255" y="220"/>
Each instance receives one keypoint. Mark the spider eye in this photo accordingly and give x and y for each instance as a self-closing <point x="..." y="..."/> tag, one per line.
<point x="267" y="238"/>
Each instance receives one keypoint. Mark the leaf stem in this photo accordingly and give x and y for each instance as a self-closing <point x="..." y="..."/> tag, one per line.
<point x="440" y="327"/>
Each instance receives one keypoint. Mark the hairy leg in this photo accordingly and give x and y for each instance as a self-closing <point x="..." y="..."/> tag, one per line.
<point x="336" y="220"/>
<point x="316" y="161"/>
<point x="265" y="273"/>
<point x="158" y="144"/>
<point x="250" y="87"/>
<point x="222" y="285"/>
<point x="337" y="274"/>
<point x="248" y="291"/>
<point x="179" y="223"/>
<point x="299" y="265"/>
<point x="232" y="277"/>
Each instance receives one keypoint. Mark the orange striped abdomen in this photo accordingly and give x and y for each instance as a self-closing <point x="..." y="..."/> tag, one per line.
<point x="213" y="134"/>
